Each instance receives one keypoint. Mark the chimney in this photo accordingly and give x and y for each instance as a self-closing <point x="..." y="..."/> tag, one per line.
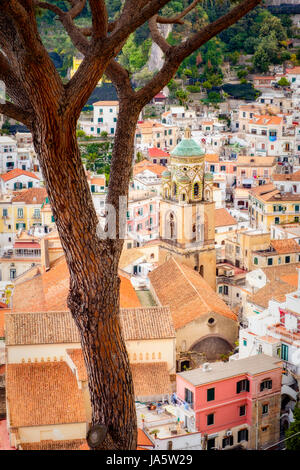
<point x="45" y="254"/>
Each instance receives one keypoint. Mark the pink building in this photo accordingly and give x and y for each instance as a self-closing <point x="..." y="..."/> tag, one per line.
<point x="236" y="402"/>
<point x="142" y="216"/>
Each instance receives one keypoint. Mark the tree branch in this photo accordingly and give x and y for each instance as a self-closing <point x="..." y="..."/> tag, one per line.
<point x="176" y="54"/>
<point x="178" y="18"/>
<point x="157" y="36"/>
<point x="14" y="112"/>
<point x="99" y="19"/>
<point x="76" y="35"/>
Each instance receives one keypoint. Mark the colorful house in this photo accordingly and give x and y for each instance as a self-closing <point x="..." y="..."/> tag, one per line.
<point x="236" y="402"/>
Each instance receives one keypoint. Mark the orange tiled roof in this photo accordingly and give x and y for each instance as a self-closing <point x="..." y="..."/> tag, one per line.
<point x="276" y="272"/>
<point x="106" y="103"/>
<point x="243" y="160"/>
<point x="143" y="439"/>
<point x="266" y="120"/>
<point x="291" y="279"/>
<point x="295" y="70"/>
<point x="187" y="293"/>
<point x="156" y="152"/>
<point x="17" y="172"/>
<point x="146" y="165"/>
<point x="290" y="177"/>
<point x="42" y="394"/>
<point x="147" y="323"/>
<point x="212" y="157"/>
<point x="276" y="290"/>
<point x="150" y="379"/>
<point x="285" y="246"/>
<point x="59" y="327"/>
<point x="78" y="360"/>
<point x="223" y="218"/>
<point x="72" y="444"/>
<point x="49" y="290"/>
<point x="31" y="196"/>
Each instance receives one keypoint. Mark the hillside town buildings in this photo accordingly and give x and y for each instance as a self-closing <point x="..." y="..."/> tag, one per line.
<point x="209" y="278"/>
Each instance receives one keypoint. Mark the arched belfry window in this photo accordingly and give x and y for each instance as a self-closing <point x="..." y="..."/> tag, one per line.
<point x="174" y="189"/>
<point x="196" y="189"/>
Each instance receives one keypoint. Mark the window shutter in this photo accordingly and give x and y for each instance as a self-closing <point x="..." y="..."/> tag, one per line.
<point x="246" y="434"/>
<point x="248" y="385"/>
<point x="238" y="387"/>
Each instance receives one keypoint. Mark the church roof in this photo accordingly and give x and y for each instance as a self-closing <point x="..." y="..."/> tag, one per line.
<point x="187" y="148"/>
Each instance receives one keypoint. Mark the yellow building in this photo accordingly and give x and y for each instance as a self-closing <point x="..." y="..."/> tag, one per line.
<point x="187" y="213"/>
<point x="268" y="205"/>
<point x="75" y="66"/>
<point x="26" y="208"/>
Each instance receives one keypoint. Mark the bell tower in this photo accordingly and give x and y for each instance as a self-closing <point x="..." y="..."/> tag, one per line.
<point x="187" y="213"/>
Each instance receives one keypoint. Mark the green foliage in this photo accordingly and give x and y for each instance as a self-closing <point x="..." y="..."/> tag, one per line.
<point x="97" y="156"/>
<point x="242" y="73"/>
<point x="243" y="91"/>
<point x="80" y="133"/>
<point x="182" y="96"/>
<point x="283" y="82"/>
<point x="193" y="88"/>
<point x="294" y="442"/>
<point x="214" y="97"/>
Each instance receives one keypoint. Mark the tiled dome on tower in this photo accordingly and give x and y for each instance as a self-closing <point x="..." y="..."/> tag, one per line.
<point x="184" y="182"/>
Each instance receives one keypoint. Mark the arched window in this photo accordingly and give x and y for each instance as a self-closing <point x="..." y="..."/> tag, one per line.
<point x="196" y="189"/>
<point x="174" y="189"/>
<point x="202" y="270"/>
<point x="255" y="260"/>
<point x="183" y="197"/>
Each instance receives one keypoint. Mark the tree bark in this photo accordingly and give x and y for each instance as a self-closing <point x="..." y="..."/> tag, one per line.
<point x="94" y="283"/>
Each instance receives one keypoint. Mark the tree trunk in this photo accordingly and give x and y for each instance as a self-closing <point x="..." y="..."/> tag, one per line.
<point x="94" y="283"/>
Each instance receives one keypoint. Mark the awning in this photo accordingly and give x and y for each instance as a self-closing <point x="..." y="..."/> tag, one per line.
<point x="18" y="245"/>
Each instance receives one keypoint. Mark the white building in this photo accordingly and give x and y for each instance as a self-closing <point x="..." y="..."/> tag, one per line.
<point x="18" y="179"/>
<point x="8" y="154"/>
<point x="104" y="119"/>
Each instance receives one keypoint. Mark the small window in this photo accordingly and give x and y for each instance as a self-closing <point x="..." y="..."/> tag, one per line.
<point x="211" y="443"/>
<point x="210" y="419"/>
<point x="287" y="259"/>
<point x="270" y="261"/>
<point x="189" y="396"/>
<point x="242" y="386"/>
<point x="210" y="394"/>
<point x="244" y="342"/>
<point x="243" y="435"/>
<point x="227" y="441"/>
<point x="242" y="410"/>
<point x="266" y="384"/>
<point x="265" y="409"/>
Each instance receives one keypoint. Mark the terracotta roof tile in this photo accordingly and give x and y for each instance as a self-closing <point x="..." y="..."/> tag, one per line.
<point x="74" y="444"/>
<point x="151" y="379"/>
<point x="147" y="323"/>
<point x="290" y="177"/>
<point x="106" y="103"/>
<point x="129" y="256"/>
<point x="49" y="290"/>
<point x="212" y="157"/>
<point x="59" y="327"/>
<point x="276" y="272"/>
<point x="17" y="172"/>
<point x="78" y="361"/>
<point x="186" y="292"/>
<point x="42" y="394"/>
<point x="31" y="196"/>
<point x="156" y="152"/>
<point x="146" y="165"/>
<point x="276" y="290"/>
<point x="143" y="439"/>
<point x="224" y="218"/>
<point x="285" y="246"/>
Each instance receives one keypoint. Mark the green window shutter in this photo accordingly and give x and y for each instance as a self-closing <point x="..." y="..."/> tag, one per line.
<point x="52" y="218"/>
<point x="93" y="188"/>
<point x="29" y="184"/>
